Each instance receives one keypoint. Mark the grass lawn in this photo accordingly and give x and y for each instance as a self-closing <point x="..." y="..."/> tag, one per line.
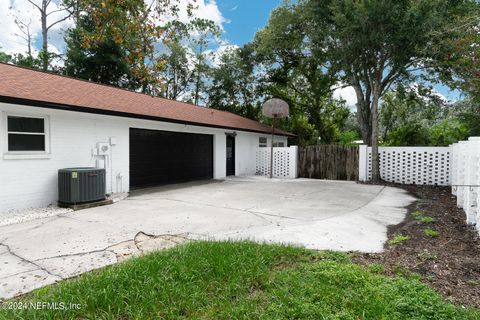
<point x="240" y="280"/>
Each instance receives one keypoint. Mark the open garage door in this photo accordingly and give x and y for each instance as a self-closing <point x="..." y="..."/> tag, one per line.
<point x="165" y="157"/>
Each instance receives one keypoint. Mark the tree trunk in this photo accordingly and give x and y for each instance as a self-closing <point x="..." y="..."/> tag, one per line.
<point x="197" y="78"/>
<point x="363" y="111"/>
<point x="364" y="120"/>
<point x="375" y="155"/>
<point x="43" y="19"/>
<point x="29" y="37"/>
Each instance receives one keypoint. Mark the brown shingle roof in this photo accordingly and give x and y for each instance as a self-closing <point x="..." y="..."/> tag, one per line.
<point x="19" y="84"/>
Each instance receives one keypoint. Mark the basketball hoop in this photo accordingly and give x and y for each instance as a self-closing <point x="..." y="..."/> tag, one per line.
<point x="275" y="109"/>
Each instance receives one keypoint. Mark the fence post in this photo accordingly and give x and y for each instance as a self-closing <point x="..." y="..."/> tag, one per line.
<point x="454" y="168"/>
<point x="476" y="182"/>
<point x="477" y="199"/>
<point x="462" y="168"/>
<point x="471" y="174"/>
<point x="293" y="162"/>
<point x="363" y="163"/>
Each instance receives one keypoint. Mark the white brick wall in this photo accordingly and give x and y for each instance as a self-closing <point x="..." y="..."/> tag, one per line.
<point x="33" y="182"/>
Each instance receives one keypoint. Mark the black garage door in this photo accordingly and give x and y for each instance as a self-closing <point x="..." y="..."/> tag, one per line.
<point x="163" y="157"/>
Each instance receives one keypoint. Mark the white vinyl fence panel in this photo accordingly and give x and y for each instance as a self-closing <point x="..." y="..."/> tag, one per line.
<point x="284" y="162"/>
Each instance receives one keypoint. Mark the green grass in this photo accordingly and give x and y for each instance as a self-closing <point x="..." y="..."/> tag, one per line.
<point x="398" y="238"/>
<point x="241" y="280"/>
<point x="431" y="233"/>
<point x="426" y="255"/>
<point x="417" y="215"/>
<point x="427" y="219"/>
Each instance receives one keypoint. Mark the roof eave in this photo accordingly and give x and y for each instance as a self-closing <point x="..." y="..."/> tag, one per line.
<point x="93" y="110"/>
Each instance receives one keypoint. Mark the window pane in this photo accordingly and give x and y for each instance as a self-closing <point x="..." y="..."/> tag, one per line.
<point x="25" y="142"/>
<point x="21" y="124"/>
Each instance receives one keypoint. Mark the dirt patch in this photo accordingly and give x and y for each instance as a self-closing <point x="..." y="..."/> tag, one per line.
<point x="447" y="257"/>
<point x="144" y="243"/>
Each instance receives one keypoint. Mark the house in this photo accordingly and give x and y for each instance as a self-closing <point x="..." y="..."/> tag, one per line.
<point x="49" y="122"/>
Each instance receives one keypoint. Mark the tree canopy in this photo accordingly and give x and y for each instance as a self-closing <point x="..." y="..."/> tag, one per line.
<point x="295" y="68"/>
<point x="391" y="53"/>
<point x="373" y="45"/>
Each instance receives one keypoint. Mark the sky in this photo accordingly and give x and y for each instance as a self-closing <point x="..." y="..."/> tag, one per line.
<point x="239" y="20"/>
<point x="245" y="17"/>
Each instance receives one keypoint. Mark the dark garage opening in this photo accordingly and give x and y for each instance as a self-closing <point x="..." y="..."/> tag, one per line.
<point x="165" y="157"/>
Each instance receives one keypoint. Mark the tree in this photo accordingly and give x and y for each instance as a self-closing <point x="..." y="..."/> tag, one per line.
<point x="447" y="132"/>
<point x="20" y="59"/>
<point x="5" y="58"/>
<point x="416" y="116"/>
<point x="102" y="61"/>
<point x="295" y="68"/>
<point x="178" y="72"/>
<point x="234" y="86"/>
<point x="27" y="61"/>
<point x="25" y="34"/>
<point x="347" y="137"/>
<point x="375" y="44"/>
<point x="186" y="63"/>
<point x="460" y="65"/>
<point x="467" y="112"/>
<point x="135" y="29"/>
<point x="135" y="44"/>
<point x="349" y="132"/>
<point x="45" y="9"/>
<point x="204" y="32"/>
<point x="410" y="108"/>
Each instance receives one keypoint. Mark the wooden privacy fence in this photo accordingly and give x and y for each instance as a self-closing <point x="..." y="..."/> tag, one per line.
<point x="331" y="162"/>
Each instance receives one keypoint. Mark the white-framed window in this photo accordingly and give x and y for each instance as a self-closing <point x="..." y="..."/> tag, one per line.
<point x="26" y="135"/>
<point x="262" y="142"/>
<point x="278" y="144"/>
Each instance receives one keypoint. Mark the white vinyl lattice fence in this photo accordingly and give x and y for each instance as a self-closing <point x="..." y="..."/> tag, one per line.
<point x="284" y="162"/>
<point x="409" y="165"/>
<point x="466" y="178"/>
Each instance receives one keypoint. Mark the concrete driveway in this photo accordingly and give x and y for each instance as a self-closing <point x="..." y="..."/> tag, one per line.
<point x="316" y="214"/>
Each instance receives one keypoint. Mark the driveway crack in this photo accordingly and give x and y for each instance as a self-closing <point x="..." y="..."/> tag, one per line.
<point x="108" y="248"/>
<point x="75" y="219"/>
<point x="16" y="274"/>
<point x="79" y="254"/>
<point x="10" y="251"/>
<point x="256" y="213"/>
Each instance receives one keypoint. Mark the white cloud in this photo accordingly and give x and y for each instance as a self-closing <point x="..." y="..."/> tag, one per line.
<point x="416" y="87"/>
<point x="209" y="10"/>
<point x="217" y="53"/>
<point x="347" y="94"/>
<point x="205" y="9"/>
<point x="11" y="43"/>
